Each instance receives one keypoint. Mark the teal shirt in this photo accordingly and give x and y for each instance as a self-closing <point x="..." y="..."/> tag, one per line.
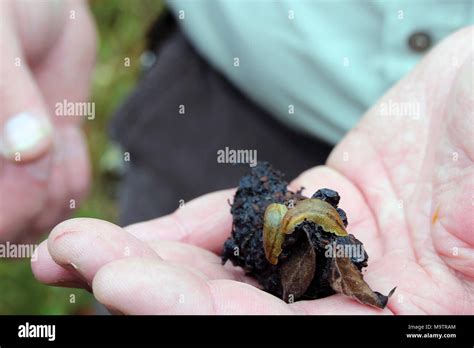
<point x="316" y="65"/>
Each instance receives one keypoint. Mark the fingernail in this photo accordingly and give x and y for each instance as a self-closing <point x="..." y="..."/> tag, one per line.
<point x="24" y="132"/>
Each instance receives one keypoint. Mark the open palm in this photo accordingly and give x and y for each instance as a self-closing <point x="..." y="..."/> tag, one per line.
<point x="406" y="181"/>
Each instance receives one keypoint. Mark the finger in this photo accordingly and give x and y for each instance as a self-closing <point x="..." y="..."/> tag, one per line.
<point x="90" y="234"/>
<point x="23" y="191"/>
<point x="25" y="136"/>
<point x="84" y="245"/>
<point x="38" y="25"/>
<point x="55" y="191"/>
<point x="361" y="220"/>
<point x="205" y="222"/>
<point x="25" y="129"/>
<point x="69" y="178"/>
<point x="169" y="289"/>
<point x="199" y="259"/>
<point x="69" y="79"/>
<point x="49" y="272"/>
<point x="77" y="162"/>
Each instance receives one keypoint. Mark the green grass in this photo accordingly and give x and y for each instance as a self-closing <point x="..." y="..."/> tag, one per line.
<point x="121" y="27"/>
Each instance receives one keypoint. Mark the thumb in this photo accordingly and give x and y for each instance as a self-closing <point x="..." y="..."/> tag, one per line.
<point x="25" y="137"/>
<point x="25" y="128"/>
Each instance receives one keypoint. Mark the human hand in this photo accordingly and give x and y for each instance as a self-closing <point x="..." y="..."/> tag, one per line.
<point x="48" y="53"/>
<point x="406" y="182"/>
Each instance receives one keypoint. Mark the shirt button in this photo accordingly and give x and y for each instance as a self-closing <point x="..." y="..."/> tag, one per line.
<point x="419" y="41"/>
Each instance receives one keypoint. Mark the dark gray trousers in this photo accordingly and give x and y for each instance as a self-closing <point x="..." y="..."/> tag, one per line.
<point x="174" y="156"/>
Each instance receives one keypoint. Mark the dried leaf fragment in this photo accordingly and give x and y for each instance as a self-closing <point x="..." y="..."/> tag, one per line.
<point x="298" y="271"/>
<point x="345" y="278"/>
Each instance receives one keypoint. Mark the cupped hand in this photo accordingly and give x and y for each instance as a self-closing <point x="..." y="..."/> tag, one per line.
<point x="406" y="180"/>
<point x="48" y="52"/>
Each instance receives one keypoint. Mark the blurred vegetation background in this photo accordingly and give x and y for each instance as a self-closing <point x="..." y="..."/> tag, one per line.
<point x="121" y="25"/>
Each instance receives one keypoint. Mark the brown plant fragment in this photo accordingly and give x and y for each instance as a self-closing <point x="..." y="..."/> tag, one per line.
<point x="317" y="211"/>
<point x="297" y="271"/>
<point x="279" y="221"/>
<point x="345" y="278"/>
<point x="273" y="238"/>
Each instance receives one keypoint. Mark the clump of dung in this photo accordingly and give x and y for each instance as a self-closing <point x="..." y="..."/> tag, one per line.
<point x="304" y="268"/>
